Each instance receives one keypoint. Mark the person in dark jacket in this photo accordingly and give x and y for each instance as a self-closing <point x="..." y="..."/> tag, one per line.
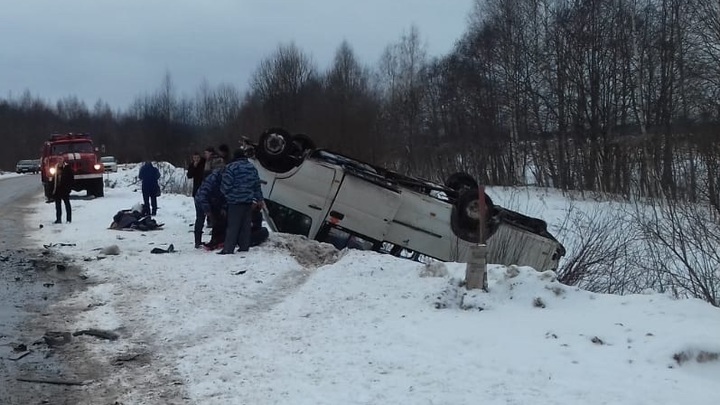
<point x="241" y="188"/>
<point x="62" y="184"/>
<point x="210" y="202"/>
<point x="196" y="171"/>
<point x="224" y="153"/>
<point x="149" y="176"/>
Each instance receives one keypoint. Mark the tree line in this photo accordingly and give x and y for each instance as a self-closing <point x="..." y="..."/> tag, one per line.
<point x="616" y="96"/>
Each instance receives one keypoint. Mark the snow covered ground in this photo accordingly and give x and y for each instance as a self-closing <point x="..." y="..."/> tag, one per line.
<point x="7" y="175"/>
<point x="306" y="324"/>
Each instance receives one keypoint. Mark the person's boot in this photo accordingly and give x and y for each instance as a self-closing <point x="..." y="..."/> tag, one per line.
<point x="198" y="240"/>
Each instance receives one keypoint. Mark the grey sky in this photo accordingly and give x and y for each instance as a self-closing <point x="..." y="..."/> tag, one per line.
<point x="116" y="50"/>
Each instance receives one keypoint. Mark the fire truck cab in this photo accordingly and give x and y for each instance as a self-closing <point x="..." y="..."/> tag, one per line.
<point x="78" y="151"/>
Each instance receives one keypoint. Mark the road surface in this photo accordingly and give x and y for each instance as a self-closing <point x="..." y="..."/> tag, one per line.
<point x="29" y="285"/>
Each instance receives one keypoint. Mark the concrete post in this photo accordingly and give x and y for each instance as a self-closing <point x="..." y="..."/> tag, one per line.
<point x="476" y="269"/>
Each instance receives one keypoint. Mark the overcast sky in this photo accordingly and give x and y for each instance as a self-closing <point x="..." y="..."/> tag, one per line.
<point x="116" y="50"/>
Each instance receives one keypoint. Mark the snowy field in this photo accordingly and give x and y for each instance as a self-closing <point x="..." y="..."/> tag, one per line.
<point x="305" y="324"/>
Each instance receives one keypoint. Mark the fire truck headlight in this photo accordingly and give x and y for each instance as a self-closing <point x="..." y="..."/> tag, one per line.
<point x="52" y="171"/>
<point x="97" y="166"/>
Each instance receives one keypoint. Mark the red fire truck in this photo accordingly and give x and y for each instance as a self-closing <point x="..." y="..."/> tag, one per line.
<point x="78" y="151"/>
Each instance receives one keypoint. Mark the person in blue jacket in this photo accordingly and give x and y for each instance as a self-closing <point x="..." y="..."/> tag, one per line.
<point x="241" y="187"/>
<point x="149" y="176"/>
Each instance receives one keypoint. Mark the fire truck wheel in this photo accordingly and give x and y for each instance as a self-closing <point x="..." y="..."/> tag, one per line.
<point x="47" y="188"/>
<point x="97" y="188"/>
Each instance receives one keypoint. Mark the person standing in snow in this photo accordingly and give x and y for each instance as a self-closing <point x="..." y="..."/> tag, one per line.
<point x="62" y="184"/>
<point x="241" y="188"/>
<point x="196" y="171"/>
<point x="149" y="176"/>
<point x="210" y="203"/>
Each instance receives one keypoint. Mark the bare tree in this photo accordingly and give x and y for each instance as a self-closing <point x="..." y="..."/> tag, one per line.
<point x="403" y="78"/>
<point x="681" y="241"/>
<point x="349" y="107"/>
<point x="601" y="246"/>
<point x="281" y="83"/>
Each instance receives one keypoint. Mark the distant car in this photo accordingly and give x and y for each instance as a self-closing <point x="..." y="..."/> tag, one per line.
<point x="109" y="163"/>
<point x="28" y="166"/>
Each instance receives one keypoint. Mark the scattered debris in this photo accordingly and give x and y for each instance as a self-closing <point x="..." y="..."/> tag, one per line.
<point x="538" y="303"/>
<point x="128" y="357"/>
<point x="52" y="381"/>
<point x="98" y="333"/>
<point x="50" y="245"/>
<point x="597" y="340"/>
<point x="112" y="250"/>
<point x="54" y="339"/>
<point x="20" y="347"/>
<point x="20" y="355"/>
<point x="170" y="249"/>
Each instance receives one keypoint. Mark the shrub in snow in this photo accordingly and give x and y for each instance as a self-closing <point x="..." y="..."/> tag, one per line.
<point x="680" y="248"/>
<point x="173" y="180"/>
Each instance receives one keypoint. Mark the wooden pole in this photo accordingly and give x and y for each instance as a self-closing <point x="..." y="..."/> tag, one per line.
<point x="476" y="269"/>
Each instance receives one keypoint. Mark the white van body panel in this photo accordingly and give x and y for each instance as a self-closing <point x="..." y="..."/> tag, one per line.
<point x="308" y="189"/>
<point x="366" y="208"/>
<point x="329" y="194"/>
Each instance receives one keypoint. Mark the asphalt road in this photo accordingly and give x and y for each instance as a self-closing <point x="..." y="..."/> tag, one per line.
<point x="15" y="192"/>
<point x="29" y="285"/>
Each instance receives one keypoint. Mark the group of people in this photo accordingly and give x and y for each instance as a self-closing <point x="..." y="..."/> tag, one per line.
<point x="226" y="190"/>
<point x="228" y="196"/>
